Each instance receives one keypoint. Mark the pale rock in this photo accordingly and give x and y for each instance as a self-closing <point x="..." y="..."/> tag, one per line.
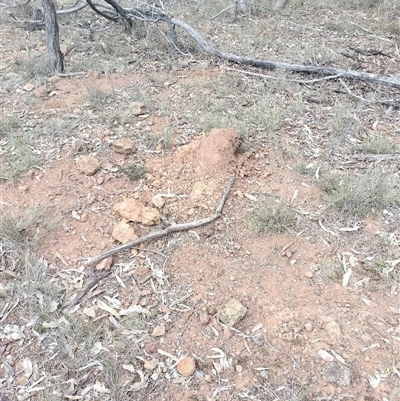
<point x="88" y="165"/>
<point x="124" y="146"/>
<point x="333" y="330"/>
<point x="29" y="87"/>
<point x="150" y="216"/>
<point x="158" y="330"/>
<point x="158" y="201"/>
<point x="151" y="365"/>
<point x="186" y="366"/>
<point x="130" y="209"/>
<point x="139" y="108"/>
<point x="308" y="326"/>
<point x="231" y="312"/>
<point x="105" y="264"/>
<point x="123" y="232"/>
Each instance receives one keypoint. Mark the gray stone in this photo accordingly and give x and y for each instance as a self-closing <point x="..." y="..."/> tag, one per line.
<point x="336" y="373"/>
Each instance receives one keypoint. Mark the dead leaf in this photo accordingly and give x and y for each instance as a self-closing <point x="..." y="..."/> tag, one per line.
<point x="101" y="388"/>
<point x="89" y="312"/>
<point x="251" y="197"/>
<point x="105" y="307"/>
<point x="28" y="369"/>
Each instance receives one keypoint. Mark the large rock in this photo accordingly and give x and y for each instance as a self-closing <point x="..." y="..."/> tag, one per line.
<point x="124" y="146"/>
<point x="132" y="210"/>
<point x="231" y="312"/>
<point x="123" y="232"/>
<point x="88" y="165"/>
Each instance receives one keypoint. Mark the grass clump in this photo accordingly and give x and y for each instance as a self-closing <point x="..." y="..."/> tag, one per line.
<point x="96" y="96"/>
<point x="18" y="157"/>
<point x="379" y="147"/>
<point x="357" y="195"/>
<point x="134" y="171"/>
<point x="275" y="218"/>
<point x="7" y="126"/>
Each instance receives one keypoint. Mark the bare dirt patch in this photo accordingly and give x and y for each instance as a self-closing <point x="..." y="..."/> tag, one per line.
<point x="312" y="331"/>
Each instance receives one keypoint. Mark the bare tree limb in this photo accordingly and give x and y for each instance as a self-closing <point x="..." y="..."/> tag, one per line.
<point x="169" y="230"/>
<point x="272" y="65"/>
<point x="103" y="14"/>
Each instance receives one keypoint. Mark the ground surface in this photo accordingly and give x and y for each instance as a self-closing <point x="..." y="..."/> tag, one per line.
<point x="305" y="335"/>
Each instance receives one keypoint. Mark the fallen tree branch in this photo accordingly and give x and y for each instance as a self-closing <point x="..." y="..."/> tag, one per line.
<point x="298" y="81"/>
<point x="153" y="15"/>
<point x="169" y="230"/>
<point x="272" y="65"/>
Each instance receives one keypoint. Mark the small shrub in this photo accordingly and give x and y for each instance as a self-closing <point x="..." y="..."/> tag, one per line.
<point x="275" y="218"/>
<point x="134" y="171"/>
<point x="97" y="96"/>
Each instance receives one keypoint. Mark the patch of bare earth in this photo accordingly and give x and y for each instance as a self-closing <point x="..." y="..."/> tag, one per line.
<point x="297" y="321"/>
<point x="320" y="322"/>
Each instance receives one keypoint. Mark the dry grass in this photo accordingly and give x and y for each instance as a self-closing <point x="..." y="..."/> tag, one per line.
<point x="275" y="218"/>
<point x="359" y="194"/>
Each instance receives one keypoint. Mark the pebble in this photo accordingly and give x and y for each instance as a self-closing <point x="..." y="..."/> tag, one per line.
<point x="308" y="326"/>
<point x="151" y="347"/>
<point x="158" y="330"/>
<point x="204" y="317"/>
<point x="308" y="274"/>
<point x="151" y="365"/>
<point x="186" y="366"/>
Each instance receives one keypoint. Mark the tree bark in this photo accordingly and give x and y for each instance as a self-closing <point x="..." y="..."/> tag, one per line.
<point x="55" y="57"/>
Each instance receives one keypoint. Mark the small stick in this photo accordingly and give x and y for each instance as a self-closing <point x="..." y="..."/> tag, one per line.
<point x="87" y="288"/>
<point x="169" y="230"/>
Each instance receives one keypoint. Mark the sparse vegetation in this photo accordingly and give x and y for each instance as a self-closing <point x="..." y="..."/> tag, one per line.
<point x="294" y="132"/>
<point x="275" y="217"/>
<point x="379" y="146"/>
<point x="134" y="171"/>
<point x="18" y="157"/>
<point x="96" y="96"/>
<point x="359" y="194"/>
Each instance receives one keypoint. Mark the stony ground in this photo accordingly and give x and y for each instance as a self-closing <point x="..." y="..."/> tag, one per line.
<point x="318" y="304"/>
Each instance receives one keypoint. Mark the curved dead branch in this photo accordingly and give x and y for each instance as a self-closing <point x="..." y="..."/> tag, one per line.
<point x="153" y="15"/>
